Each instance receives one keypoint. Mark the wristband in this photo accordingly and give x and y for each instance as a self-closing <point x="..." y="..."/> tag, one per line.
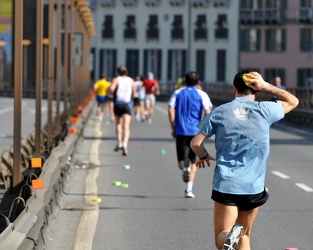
<point x="204" y="157"/>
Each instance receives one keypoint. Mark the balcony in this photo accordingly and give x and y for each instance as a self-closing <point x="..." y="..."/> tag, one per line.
<point x="153" y="34"/>
<point x="177" y="34"/>
<point x="177" y="2"/>
<point x="108" y="33"/>
<point x="221" y="33"/>
<point x="221" y="3"/>
<point x="201" y="33"/>
<point x="305" y="15"/>
<point x="107" y="3"/>
<point x="130" y="33"/>
<point x="261" y="16"/>
<point x="199" y="3"/>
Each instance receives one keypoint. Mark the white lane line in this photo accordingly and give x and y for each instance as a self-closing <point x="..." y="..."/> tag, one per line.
<point x="280" y="174"/>
<point x="304" y="187"/>
<point x="162" y="110"/>
<point x="88" y="220"/>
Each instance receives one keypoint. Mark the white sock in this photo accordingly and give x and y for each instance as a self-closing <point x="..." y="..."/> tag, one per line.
<point x="120" y="144"/>
<point x="124" y="144"/>
<point x="189" y="186"/>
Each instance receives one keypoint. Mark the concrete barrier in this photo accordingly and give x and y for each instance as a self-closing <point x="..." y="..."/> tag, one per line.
<point x="27" y="231"/>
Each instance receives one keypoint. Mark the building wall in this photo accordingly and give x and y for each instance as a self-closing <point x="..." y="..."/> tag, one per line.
<point x="292" y="58"/>
<point x="165" y="12"/>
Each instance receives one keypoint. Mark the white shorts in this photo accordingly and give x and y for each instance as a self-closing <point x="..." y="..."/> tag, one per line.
<point x="150" y="98"/>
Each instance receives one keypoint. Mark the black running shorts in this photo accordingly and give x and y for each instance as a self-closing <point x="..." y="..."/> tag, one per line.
<point x="121" y="109"/>
<point x="183" y="149"/>
<point x="243" y="202"/>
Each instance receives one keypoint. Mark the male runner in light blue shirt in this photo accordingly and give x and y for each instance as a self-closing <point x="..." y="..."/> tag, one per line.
<point x="242" y="143"/>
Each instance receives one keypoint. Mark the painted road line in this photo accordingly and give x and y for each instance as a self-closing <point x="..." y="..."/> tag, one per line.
<point x="304" y="187"/>
<point x="280" y="174"/>
<point x="162" y="110"/>
<point x="88" y="220"/>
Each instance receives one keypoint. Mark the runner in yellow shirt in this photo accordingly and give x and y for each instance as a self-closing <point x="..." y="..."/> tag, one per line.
<point x="100" y="87"/>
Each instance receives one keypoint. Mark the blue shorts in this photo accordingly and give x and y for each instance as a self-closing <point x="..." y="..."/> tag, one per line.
<point x="101" y="98"/>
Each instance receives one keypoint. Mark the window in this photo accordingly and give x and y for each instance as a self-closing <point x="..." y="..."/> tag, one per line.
<point x="108" y="31"/>
<point x="250" y="4"/>
<point x="178" y="31"/>
<point x="270" y="74"/>
<point x="221" y="66"/>
<point x="306" y="40"/>
<point x="132" y="62"/>
<point x="221" y="31"/>
<point x="153" y="62"/>
<point x="201" y="31"/>
<point x="275" y="40"/>
<point x="250" y="40"/>
<point x="107" y="63"/>
<point x="176" y="64"/>
<point x="306" y="3"/>
<point x="201" y="63"/>
<point x="305" y="77"/>
<point x="276" y="4"/>
<point x="130" y="30"/>
<point x="153" y="30"/>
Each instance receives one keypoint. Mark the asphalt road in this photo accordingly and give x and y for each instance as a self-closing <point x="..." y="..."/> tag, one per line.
<point x="27" y="120"/>
<point x="152" y="213"/>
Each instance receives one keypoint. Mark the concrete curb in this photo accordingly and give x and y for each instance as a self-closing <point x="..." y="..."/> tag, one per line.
<point x="27" y="231"/>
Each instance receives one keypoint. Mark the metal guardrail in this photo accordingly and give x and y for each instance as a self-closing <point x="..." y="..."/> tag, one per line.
<point x="222" y="93"/>
<point x="30" y="211"/>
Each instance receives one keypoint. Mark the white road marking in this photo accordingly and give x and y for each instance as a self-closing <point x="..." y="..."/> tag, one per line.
<point x="162" y="110"/>
<point x="280" y="174"/>
<point x="304" y="187"/>
<point x="88" y="220"/>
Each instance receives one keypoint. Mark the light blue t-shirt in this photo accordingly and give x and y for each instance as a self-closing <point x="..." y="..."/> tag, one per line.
<point x="242" y="143"/>
<point x="189" y="103"/>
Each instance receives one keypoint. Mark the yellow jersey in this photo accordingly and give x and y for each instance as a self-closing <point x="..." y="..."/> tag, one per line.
<point x="101" y="86"/>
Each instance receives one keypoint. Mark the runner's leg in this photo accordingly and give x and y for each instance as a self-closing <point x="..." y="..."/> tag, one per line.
<point x="246" y="219"/>
<point x="224" y="219"/>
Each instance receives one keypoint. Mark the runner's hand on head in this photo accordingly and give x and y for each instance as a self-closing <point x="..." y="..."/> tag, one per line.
<point x="256" y="81"/>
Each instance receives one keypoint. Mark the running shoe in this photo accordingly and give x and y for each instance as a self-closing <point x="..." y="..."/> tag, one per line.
<point x="125" y="152"/>
<point x="117" y="148"/>
<point x="186" y="174"/>
<point x="233" y="237"/>
<point x="189" y="194"/>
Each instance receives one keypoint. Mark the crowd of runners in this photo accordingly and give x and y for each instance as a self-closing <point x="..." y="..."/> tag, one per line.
<point x="241" y="129"/>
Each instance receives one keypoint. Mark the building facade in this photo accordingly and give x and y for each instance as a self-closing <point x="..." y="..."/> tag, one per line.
<point x="168" y="38"/>
<point x="276" y="38"/>
<point x="214" y="37"/>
